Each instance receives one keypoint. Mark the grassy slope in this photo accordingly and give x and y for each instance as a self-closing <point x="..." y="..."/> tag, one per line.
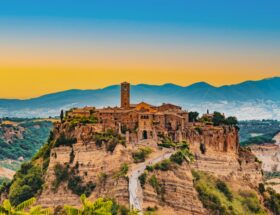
<point x="218" y="197"/>
<point x="264" y="131"/>
<point x="35" y="135"/>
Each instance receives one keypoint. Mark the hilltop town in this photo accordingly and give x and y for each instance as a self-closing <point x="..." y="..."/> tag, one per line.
<point x="153" y="159"/>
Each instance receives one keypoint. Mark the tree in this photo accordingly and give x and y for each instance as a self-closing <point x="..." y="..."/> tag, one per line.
<point x="193" y="116"/>
<point x="218" y="119"/>
<point x="99" y="207"/>
<point x="231" y="120"/>
<point x="7" y="209"/>
<point x="61" y="115"/>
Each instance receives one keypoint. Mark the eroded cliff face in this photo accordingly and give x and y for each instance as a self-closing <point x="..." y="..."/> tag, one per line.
<point x="92" y="163"/>
<point x="90" y="159"/>
<point x="222" y="156"/>
<point x="175" y="194"/>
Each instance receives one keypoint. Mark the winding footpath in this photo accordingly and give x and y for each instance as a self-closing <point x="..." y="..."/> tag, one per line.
<point x="135" y="189"/>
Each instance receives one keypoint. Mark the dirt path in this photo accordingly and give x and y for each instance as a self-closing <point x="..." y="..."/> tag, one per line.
<point x="135" y="190"/>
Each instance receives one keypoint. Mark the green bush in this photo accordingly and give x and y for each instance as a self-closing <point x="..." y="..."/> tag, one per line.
<point x="142" y="178"/>
<point x="154" y="183"/>
<point x="178" y="157"/>
<point x="109" y="138"/>
<point x="61" y="174"/>
<point x="122" y="171"/>
<point x="222" y="186"/>
<point x="217" y="197"/>
<point x="62" y="140"/>
<point x="26" y="183"/>
<point x="76" y="184"/>
<point x="140" y="155"/>
<point x="250" y="201"/>
<point x="272" y="201"/>
<point x="163" y="165"/>
<point x="159" y="189"/>
<point x="150" y="168"/>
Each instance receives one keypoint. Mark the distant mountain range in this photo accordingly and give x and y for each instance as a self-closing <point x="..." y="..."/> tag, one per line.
<point x="247" y="100"/>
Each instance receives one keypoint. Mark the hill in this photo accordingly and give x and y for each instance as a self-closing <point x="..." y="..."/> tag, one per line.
<point x="247" y="100"/>
<point x="20" y="139"/>
<point x="156" y="176"/>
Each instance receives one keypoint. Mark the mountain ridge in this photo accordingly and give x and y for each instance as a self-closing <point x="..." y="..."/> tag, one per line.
<point x="196" y="94"/>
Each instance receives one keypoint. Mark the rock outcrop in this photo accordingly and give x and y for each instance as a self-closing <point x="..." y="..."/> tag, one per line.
<point x="176" y="193"/>
<point x="97" y="160"/>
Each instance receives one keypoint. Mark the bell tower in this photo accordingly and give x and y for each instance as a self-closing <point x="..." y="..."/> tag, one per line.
<point x="125" y="95"/>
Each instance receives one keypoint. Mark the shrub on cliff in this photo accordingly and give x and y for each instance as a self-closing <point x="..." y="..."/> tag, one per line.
<point x="231" y="120"/>
<point x="141" y="154"/>
<point x="62" y="140"/>
<point x="122" y="171"/>
<point x="272" y="200"/>
<point x="142" y="178"/>
<point x="76" y="184"/>
<point x="217" y="196"/>
<point x="61" y="174"/>
<point x="222" y="186"/>
<point x="26" y="183"/>
<point x="109" y="138"/>
<point x="163" y="165"/>
<point x="218" y="119"/>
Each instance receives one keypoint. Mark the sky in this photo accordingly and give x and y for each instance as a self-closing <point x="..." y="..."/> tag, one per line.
<point x="50" y="46"/>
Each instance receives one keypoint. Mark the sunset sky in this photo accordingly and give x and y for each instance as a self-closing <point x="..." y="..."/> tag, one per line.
<point x="50" y="46"/>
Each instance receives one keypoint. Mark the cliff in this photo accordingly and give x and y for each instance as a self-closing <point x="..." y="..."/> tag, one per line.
<point x="83" y="159"/>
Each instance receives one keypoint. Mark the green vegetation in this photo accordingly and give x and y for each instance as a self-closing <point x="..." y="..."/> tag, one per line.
<point x="219" y="119"/>
<point x="63" y="140"/>
<point x="7" y="209"/>
<point x="122" y="171"/>
<point x="193" y="116"/>
<point x="265" y="138"/>
<point x="100" y="207"/>
<point x="74" y="181"/>
<point x="269" y="175"/>
<point x="74" y="121"/>
<point x="26" y="183"/>
<point x="110" y="138"/>
<point x="141" y="154"/>
<point x="163" y="165"/>
<point x="166" y="142"/>
<point x="34" y="134"/>
<point x="258" y="131"/>
<point x="222" y="186"/>
<point x="76" y="184"/>
<point x="61" y="174"/>
<point x="272" y="201"/>
<point x="157" y="187"/>
<point x="3" y="180"/>
<point x="217" y="196"/>
<point x="182" y="154"/>
<point x="143" y="178"/>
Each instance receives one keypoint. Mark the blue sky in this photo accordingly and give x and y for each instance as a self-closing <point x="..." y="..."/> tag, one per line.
<point x="217" y="41"/>
<point x="238" y="14"/>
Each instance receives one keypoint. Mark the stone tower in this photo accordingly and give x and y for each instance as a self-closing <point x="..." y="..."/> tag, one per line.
<point x="125" y="95"/>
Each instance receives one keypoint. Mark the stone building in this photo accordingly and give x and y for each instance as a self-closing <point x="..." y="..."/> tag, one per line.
<point x="144" y="120"/>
